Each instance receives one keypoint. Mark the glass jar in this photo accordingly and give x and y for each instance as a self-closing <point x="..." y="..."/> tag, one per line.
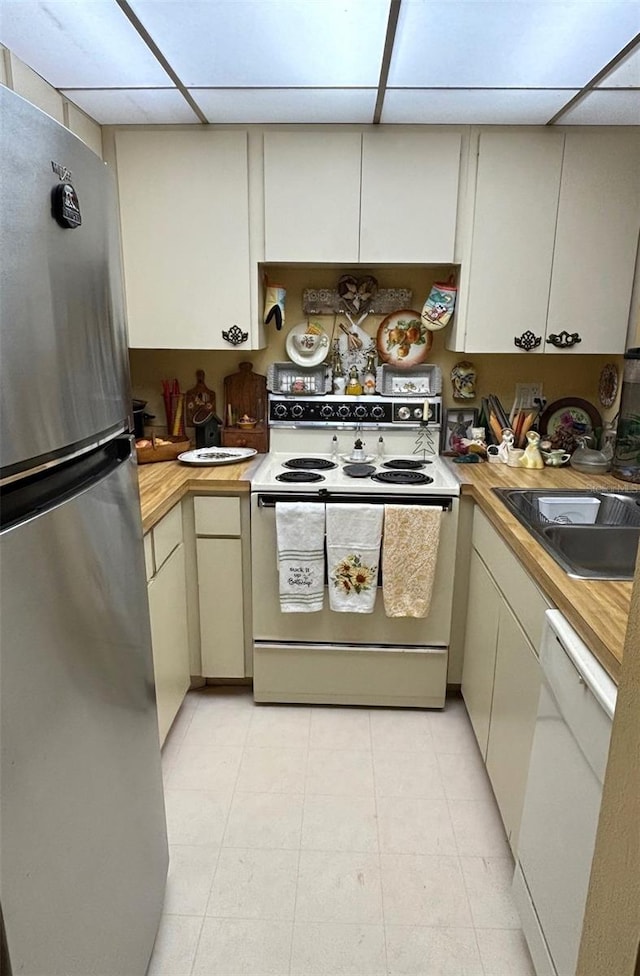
<point x="354" y="386"/>
<point x="369" y="378"/>
<point x="626" y="458"/>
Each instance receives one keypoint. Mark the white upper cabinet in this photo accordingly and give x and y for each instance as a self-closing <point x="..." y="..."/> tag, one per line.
<point x="350" y="197"/>
<point x="409" y="197"/>
<point x="518" y="182"/>
<point x="596" y="239"/>
<point x="312" y="196"/>
<point x="184" y="209"/>
<point x="553" y="245"/>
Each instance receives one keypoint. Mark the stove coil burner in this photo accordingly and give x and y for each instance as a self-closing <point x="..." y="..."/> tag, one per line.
<point x="299" y="476"/>
<point x="405" y="464"/>
<point x="309" y="464"/>
<point x="402" y="478"/>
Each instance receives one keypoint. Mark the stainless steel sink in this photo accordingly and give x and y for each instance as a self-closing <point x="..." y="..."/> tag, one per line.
<point x="605" y="550"/>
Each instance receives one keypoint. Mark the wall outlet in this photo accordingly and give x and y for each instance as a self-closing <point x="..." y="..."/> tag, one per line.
<point x="526" y="393"/>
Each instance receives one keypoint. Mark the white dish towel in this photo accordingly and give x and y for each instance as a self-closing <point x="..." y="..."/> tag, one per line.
<point x="353" y="555"/>
<point x="300" y="536"/>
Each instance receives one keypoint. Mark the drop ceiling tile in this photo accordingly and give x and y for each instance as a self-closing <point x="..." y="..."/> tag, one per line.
<point x="626" y="74"/>
<point x="79" y="44"/>
<point x="508" y="43"/>
<point x="279" y="43"/>
<point x="309" y="105"/>
<point x="472" y="106"/>
<point x="605" y="108"/>
<point x="134" y="106"/>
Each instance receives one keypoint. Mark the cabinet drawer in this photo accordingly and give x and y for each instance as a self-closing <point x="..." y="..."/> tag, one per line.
<point x="148" y="555"/>
<point x="519" y="590"/>
<point x="217" y="516"/>
<point x="167" y="535"/>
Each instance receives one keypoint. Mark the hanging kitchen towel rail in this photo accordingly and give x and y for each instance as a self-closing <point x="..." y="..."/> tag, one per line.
<point x="300" y="534"/>
<point x="409" y="557"/>
<point x="269" y="500"/>
<point x="354" y="533"/>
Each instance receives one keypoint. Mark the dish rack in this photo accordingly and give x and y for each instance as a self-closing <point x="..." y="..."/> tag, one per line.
<point x="295" y="380"/>
<point x="423" y="380"/>
<point x="611" y="511"/>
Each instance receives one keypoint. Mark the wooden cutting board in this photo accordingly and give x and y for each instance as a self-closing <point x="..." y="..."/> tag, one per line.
<point x="245" y="394"/>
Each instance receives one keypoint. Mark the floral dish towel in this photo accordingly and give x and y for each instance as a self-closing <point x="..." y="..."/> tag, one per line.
<point x="354" y="533"/>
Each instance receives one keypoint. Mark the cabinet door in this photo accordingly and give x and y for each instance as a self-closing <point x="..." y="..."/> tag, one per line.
<point x="513" y="716"/>
<point x="596" y="239"/>
<point x="409" y="196"/>
<point x="516" y="204"/>
<point x="483" y="609"/>
<point x="185" y="236"/>
<point x="221" y="608"/>
<point x="169" y="638"/>
<point x="312" y="196"/>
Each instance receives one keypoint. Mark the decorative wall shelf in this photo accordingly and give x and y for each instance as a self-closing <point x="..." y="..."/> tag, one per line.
<point x="327" y="301"/>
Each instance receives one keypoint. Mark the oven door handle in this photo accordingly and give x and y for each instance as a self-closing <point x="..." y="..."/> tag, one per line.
<point x="267" y="500"/>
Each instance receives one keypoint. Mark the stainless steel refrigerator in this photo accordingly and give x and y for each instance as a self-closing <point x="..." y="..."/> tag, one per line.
<point x="83" y="851"/>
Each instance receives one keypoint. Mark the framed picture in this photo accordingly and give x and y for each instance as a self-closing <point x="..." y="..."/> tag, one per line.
<point x="458" y="421"/>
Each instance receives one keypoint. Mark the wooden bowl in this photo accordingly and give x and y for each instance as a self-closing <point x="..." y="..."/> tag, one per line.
<point x="168" y="450"/>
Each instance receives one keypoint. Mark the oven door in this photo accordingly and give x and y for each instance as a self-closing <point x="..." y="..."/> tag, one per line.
<point x="329" y="627"/>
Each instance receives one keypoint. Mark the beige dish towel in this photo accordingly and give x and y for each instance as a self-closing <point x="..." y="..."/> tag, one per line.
<point x="353" y="555"/>
<point x="409" y="556"/>
<point x="300" y="535"/>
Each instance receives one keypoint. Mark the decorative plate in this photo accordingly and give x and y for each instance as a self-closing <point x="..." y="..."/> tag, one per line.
<point x="608" y="386"/>
<point x="217" y="455"/>
<point x="294" y="344"/>
<point x="403" y="339"/>
<point x="570" y="411"/>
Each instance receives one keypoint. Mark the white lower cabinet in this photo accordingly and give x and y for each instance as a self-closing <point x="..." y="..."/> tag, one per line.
<point x="516" y="689"/>
<point x="169" y="637"/>
<point x="221" y="608"/>
<point x="501" y="674"/>
<point x="223" y="574"/>
<point x="483" y="610"/>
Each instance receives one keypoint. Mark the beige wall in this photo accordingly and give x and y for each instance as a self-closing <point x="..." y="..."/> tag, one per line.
<point x="561" y="375"/>
<point x="15" y="74"/>
<point x="611" y="934"/>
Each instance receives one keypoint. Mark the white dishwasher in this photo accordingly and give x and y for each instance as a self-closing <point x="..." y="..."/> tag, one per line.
<point x="562" y="800"/>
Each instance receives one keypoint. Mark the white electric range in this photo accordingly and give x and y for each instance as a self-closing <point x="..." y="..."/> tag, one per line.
<point x="347" y="658"/>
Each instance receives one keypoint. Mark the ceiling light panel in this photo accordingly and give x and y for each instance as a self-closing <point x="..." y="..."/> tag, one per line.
<point x="134" y="107"/>
<point x="310" y="105"/>
<point x="626" y="74"/>
<point x="605" y="108"/>
<point x="277" y="43"/>
<point x="79" y="43"/>
<point x="472" y="106"/>
<point x="508" y="43"/>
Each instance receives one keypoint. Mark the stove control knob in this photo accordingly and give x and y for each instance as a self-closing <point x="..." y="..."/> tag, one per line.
<point x="326" y="411"/>
<point x="280" y="410"/>
<point x="343" y="411"/>
<point x="418" y="412"/>
<point x="404" y="413"/>
<point x="377" y="412"/>
<point x="360" y="412"/>
<point x="297" y="410"/>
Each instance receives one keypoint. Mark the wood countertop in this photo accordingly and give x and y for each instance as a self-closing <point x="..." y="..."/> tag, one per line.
<point x="162" y="485"/>
<point x="597" y="609"/>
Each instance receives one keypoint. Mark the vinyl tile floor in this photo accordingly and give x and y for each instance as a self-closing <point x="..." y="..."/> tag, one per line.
<point x="332" y="841"/>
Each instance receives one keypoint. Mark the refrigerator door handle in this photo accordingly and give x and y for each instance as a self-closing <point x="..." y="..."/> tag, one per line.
<point x="32" y="496"/>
